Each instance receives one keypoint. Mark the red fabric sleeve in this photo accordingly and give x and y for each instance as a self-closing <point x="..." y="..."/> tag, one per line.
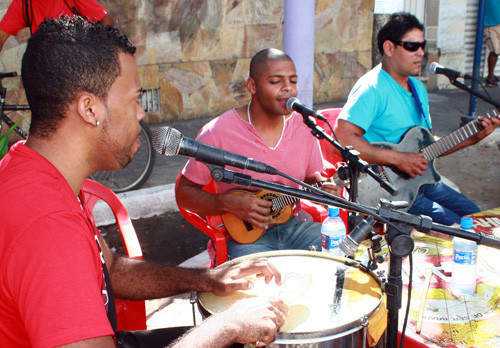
<point x="14" y="20"/>
<point x="59" y="295"/>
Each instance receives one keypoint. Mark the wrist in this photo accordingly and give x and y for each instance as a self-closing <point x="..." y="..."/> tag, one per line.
<point x="221" y="203"/>
<point x="208" y="281"/>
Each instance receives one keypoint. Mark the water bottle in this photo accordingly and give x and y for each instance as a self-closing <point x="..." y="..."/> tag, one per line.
<point x="333" y="232"/>
<point x="463" y="277"/>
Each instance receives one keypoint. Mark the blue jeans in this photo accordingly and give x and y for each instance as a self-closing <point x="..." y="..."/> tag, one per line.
<point x="294" y="235"/>
<point x="442" y="203"/>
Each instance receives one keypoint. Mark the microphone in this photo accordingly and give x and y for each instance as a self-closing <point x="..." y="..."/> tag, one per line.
<point x="434" y="68"/>
<point x="351" y="242"/>
<point x="294" y="104"/>
<point x="168" y="141"/>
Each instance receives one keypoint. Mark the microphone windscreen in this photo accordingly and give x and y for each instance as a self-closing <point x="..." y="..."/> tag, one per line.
<point x="290" y="102"/>
<point x="431" y="68"/>
<point x="166" y="141"/>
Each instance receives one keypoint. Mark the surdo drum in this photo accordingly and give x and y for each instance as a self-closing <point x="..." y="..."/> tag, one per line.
<point x="331" y="299"/>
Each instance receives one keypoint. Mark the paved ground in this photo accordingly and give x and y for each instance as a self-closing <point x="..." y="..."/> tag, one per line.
<point x="168" y="238"/>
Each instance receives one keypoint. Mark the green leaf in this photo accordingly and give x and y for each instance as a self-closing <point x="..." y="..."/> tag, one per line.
<point x="4" y="145"/>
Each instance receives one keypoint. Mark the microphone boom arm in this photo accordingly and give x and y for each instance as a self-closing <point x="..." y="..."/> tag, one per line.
<point x="349" y="155"/>
<point x="462" y="86"/>
<point x="230" y="177"/>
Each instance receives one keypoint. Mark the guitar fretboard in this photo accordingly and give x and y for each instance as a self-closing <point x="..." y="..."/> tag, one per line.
<point x="439" y="147"/>
<point x="284" y="200"/>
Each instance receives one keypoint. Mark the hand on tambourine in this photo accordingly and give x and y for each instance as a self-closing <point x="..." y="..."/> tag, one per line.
<point x="256" y="320"/>
<point x="231" y="277"/>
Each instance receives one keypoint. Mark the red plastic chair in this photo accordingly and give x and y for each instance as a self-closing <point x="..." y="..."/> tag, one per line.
<point x="216" y="246"/>
<point x="131" y="315"/>
<point x="329" y="152"/>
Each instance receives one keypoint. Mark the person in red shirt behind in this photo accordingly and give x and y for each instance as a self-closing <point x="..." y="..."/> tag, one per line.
<point x="30" y="13"/>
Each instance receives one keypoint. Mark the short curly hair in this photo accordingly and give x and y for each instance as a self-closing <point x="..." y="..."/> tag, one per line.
<point x="66" y="56"/>
<point x="396" y="27"/>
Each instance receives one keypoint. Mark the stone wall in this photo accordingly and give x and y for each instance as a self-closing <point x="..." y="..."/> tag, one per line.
<point x="197" y="52"/>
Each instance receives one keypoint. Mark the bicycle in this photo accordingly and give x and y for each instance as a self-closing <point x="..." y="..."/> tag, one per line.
<point x="3" y="107"/>
<point x="129" y="178"/>
<point x="135" y="174"/>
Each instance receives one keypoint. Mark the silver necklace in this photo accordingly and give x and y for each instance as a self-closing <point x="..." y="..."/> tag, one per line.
<point x="282" y="129"/>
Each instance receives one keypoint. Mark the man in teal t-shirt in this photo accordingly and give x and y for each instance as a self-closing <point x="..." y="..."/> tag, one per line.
<point x="388" y="101"/>
<point x="492" y="36"/>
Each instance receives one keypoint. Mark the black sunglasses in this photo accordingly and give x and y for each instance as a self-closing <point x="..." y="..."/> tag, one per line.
<point x="411" y="46"/>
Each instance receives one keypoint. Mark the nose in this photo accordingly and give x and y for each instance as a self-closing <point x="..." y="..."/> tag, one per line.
<point x="288" y="86"/>
<point x="140" y="112"/>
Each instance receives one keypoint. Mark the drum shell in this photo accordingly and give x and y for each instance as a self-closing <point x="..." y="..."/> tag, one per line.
<point x="348" y="334"/>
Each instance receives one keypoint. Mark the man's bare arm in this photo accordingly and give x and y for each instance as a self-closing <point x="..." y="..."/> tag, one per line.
<point x="248" y="207"/>
<point x="3" y="37"/>
<point x="349" y="134"/>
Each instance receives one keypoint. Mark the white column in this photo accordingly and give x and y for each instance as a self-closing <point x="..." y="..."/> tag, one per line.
<point x="298" y="43"/>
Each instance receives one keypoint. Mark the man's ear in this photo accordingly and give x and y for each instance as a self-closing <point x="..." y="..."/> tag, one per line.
<point x="388" y="47"/>
<point x="251" y="86"/>
<point x="87" y="106"/>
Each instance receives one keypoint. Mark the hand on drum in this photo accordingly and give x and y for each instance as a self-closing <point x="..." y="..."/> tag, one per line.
<point x="257" y="320"/>
<point x="230" y="277"/>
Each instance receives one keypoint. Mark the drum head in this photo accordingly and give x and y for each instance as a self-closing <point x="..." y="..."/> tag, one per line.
<point x="326" y="295"/>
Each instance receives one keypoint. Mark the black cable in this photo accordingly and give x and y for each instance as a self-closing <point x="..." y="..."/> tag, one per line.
<point x="333" y="133"/>
<point x="352" y="206"/>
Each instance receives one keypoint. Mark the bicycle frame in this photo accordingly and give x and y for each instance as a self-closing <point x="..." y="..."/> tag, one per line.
<point x="5" y="118"/>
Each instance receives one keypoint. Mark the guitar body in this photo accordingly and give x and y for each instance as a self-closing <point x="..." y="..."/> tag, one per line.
<point x="414" y="140"/>
<point x="244" y="232"/>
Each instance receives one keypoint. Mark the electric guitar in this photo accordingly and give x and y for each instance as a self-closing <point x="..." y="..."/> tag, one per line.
<point x="417" y="139"/>
<point x="281" y="211"/>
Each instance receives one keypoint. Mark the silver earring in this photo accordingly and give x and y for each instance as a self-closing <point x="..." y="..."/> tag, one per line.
<point x="97" y="123"/>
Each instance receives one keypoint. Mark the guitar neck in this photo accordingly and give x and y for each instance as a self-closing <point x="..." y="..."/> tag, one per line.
<point x="284" y="200"/>
<point x="439" y="147"/>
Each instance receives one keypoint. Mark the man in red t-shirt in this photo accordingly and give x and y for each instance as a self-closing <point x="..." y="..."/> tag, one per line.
<point x="57" y="273"/>
<point x="16" y="19"/>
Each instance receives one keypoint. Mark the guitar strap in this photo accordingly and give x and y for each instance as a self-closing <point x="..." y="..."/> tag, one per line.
<point x="419" y="103"/>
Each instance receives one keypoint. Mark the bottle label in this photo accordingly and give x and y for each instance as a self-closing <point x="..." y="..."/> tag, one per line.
<point x="334" y="242"/>
<point x="464" y="257"/>
<point x="324" y="241"/>
<point x="331" y="243"/>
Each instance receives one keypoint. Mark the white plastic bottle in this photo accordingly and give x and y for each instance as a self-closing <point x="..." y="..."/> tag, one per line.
<point x="333" y="232"/>
<point x="463" y="277"/>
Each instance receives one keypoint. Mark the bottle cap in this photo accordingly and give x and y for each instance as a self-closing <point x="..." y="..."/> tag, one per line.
<point x="333" y="211"/>
<point x="466" y="223"/>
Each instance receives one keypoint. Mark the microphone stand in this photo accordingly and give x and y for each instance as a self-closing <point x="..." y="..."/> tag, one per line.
<point x="462" y="86"/>
<point x="401" y="244"/>
<point x="230" y="177"/>
<point x="399" y="241"/>
<point x="355" y="167"/>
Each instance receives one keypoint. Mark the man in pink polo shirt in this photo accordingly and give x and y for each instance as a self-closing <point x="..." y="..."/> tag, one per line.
<point x="265" y="131"/>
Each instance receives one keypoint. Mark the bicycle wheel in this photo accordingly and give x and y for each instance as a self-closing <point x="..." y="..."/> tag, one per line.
<point x="135" y="174"/>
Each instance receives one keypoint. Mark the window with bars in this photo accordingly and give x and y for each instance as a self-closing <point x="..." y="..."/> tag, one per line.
<point x="150" y="100"/>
